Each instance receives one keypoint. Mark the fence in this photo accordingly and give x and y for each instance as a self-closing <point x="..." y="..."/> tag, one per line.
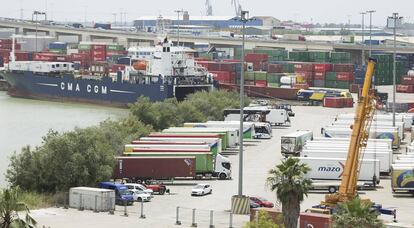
<point x="199" y="217"/>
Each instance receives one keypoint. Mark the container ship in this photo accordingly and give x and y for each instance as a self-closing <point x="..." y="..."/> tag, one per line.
<point x="166" y="75"/>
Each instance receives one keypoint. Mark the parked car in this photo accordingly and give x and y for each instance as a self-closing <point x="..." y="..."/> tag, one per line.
<point x="201" y="190"/>
<point x="253" y="204"/>
<point x="262" y="202"/>
<point x="139" y="187"/>
<point x="156" y="187"/>
<point x="140" y="196"/>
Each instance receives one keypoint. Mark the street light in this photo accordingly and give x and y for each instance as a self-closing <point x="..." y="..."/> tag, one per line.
<point x="394" y="22"/>
<point x="178" y="21"/>
<point x="37" y="13"/>
<point x="370" y="30"/>
<point x="362" y="42"/>
<point x="244" y="18"/>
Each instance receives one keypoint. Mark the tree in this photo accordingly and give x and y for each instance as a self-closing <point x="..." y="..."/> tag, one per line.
<point x="289" y="182"/>
<point x="9" y="208"/>
<point x="263" y="221"/>
<point x="356" y="213"/>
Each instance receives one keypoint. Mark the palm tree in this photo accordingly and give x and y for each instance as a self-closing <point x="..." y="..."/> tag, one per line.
<point x="289" y="182"/>
<point x="9" y="208"/>
<point x="356" y="213"/>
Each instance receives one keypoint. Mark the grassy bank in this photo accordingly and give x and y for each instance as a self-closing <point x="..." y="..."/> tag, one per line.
<point x="37" y="200"/>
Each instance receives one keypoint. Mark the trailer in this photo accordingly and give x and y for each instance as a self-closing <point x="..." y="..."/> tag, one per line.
<point x="231" y="135"/>
<point x="262" y="130"/>
<point x="291" y="144"/>
<point x="214" y="146"/>
<point x="399" y="117"/>
<point x="402" y="178"/>
<point x="346" y="140"/>
<point x="217" y="141"/>
<point x="276" y="117"/>
<point x="377" y="133"/>
<point x="385" y="158"/>
<point x="332" y="169"/>
<point x="248" y="128"/>
<point x="333" y="186"/>
<point x="192" y="137"/>
<point x="374" y="126"/>
<point x="139" y="144"/>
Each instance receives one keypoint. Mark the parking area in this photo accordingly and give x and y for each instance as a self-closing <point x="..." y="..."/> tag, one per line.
<point x="260" y="156"/>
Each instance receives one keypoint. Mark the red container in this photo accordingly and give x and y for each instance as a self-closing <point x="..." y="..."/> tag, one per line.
<point x="6" y="41"/>
<point x="345" y="76"/>
<point x="5" y="59"/>
<point x="322" y="67"/>
<point x="203" y="63"/>
<point x="98" y="55"/>
<point x="21" y="56"/>
<point x="9" y="46"/>
<point x="98" y="47"/>
<point x="301" y="86"/>
<point x="229" y="67"/>
<point x="333" y="102"/>
<point x="301" y="67"/>
<point x="274" y="68"/>
<point x="405" y="88"/>
<point x="43" y="57"/>
<point x="231" y="60"/>
<point x="261" y="83"/>
<point x="315" y="220"/>
<point x="252" y="57"/>
<point x="407" y="80"/>
<point x="117" y="67"/>
<point x="115" y="53"/>
<point x="354" y="88"/>
<point x="222" y="76"/>
<point x="343" y="68"/>
<point x="348" y="102"/>
<point x="85" y="52"/>
<point x="319" y="75"/>
<point x="79" y="56"/>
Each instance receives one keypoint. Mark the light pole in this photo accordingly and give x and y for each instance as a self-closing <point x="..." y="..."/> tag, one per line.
<point x="37" y="13"/>
<point x="178" y="25"/>
<point x="394" y="22"/>
<point x="362" y="42"/>
<point x="244" y="18"/>
<point x="370" y="30"/>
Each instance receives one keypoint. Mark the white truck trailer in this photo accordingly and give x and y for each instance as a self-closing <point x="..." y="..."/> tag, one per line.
<point x="402" y="178"/>
<point x="262" y="130"/>
<point x="347" y="140"/>
<point x="332" y="169"/>
<point x="400" y="117"/>
<point x="231" y="134"/>
<point x="292" y="144"/>
<point x="385" y="158"/>
<point x="96" y="199"/>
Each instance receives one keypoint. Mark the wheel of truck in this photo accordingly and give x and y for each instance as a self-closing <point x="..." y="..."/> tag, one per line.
<point x="222" y="176"/>
<point x="332" y="189"/>
<point x="139" y="199"/>
<point x="162" y="191"/>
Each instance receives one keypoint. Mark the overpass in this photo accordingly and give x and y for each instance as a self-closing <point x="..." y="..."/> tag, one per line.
<point x="128" y="38"/>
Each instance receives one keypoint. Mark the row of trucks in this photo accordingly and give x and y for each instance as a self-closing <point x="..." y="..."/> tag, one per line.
<point x="279" y="116"/>
<point x="192" y="151"/>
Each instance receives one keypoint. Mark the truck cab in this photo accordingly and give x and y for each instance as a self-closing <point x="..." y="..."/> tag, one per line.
<point x="122" y="194"/>
<point x="222" y="168"/>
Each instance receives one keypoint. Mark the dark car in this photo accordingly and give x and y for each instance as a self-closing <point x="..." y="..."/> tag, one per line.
<point x="262" y="202"/>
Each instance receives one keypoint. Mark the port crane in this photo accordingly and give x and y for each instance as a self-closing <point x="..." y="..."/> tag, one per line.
<point x="209" y="8"/>
<point x="360" y="130"/>
<point x="237" y="7"/>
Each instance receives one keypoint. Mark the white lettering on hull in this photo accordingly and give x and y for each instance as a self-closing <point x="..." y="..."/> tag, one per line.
<point x="89" y="88"/>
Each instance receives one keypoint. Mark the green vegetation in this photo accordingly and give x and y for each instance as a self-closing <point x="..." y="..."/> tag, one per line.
<point x="263" y="221"/>
<point x="84" y="157"/>
<point x="10" y="204"/>
<point x="288" y="180"/>
<point x="356" y="214"/>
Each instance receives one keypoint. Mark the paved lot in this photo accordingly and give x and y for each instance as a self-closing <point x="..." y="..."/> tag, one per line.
<point x="259" y="156"/>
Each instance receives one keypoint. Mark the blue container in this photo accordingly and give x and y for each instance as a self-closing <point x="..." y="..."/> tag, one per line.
<point x="58" y="45"/>
<point x="76" y="66"/>
<point x="124" y="61"/>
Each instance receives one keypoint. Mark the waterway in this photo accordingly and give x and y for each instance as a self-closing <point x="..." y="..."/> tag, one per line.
<point x="25" y="121"/>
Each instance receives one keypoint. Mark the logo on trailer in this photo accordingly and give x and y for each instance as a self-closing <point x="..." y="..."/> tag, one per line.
<point x="334" y="169"/>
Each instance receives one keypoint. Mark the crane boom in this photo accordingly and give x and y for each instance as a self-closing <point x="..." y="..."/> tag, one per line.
<point x="364" y="113"/>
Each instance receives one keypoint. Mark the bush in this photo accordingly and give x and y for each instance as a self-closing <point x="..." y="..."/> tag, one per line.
<point x="263" y="221"/>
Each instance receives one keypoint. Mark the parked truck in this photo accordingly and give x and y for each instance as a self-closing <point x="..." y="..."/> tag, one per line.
<point x="122" y="195"/>
<point x="105" y="26"/>
<point x="332" y="169"/>
<point x="206" y="163"/>
<point x="291" y="144"/>
<point x="402" y="178"/>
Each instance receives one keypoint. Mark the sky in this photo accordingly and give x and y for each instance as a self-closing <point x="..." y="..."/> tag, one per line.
<point x="322" y="11"/>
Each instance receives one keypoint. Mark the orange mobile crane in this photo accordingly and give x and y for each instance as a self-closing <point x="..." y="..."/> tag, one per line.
<point x="360" y="130"/>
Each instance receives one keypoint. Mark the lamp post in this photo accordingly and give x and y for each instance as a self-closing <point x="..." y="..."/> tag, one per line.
<point x="362" y="42"/>
<point x="394" y="22"/>
<point x="178" y="25"/>
<point x="370" y="30"/>
<point x="244" y="18"/>
<point x="35" y="13"/>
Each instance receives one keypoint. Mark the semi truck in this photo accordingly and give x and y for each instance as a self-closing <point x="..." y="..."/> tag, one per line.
<point x="291" y="144"/>
<point x="402" y="178"/>
<point x="206" y="163"/>
<point x="230" y="135"/>
<point x="275" y="117"/>
<point x="332" y="169"/>
<point x="385" y="158"/>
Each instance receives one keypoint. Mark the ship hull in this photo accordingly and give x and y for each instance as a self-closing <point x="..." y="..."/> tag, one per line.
<point x="67" y="88"/>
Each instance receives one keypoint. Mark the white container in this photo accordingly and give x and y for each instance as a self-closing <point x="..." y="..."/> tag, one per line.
<point x="275" y="117"/>
<point x="232" y="134"/>
<point x="401" y="117"/>
<point x="247" y="127"/>
<point x="92" y="198"/>
<point x="347" y="140"/>
<point x="178" y="139"/>
<point x="332" y="169"/>
<point x="292" y="143"/>
<point x="259" y="127"/>
<point x="374" y="125"/>
<point x="385" y="158"/>
<point x="316" y="145"/>
<point x="288" y="80"/>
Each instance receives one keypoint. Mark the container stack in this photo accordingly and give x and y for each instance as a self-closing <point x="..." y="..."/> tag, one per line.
<point x="98" y="52"/>
<point x="115" y="51"/>
<point x="304" y="71"/>
<point x="384" y="69"/>
<point x="58" y="47"/>
<point x="407" y="85"/>
<point x="273" y="54"/>
<point x="259" y="61"/>
<point x="319" y="57"/>
<point x="299" y="56"/>
<point x="340" y="77"/>
<point x="320" y="70"/>
<point x="225" y="72"/>
<point x="340" y="57"/>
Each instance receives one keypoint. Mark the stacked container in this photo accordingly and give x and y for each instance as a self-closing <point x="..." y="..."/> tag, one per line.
<point x="340" y="57"/>
<point x="319" y="57"/>
<point x="304" y="72"/>
<point x="273" y="54"/>
<point x="98" y="52"/>
<point x="58" y="47"/>
<point x="384" y="69"/>
<point x="259" y="61"/>
<point x="320" y="70"/>
<point x="407" y="84"/>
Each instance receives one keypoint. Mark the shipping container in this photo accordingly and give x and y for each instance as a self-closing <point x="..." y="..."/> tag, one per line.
<point x="97" y="199"/>
<point x="333" y="102"/>
<point x="231" y="134"/>
<point x="303" y="67"/>
<point x="292" y="143"/>
<point x="345" y="76"/>
<point x="345" y="140"/>
<point x="343" y="68"/>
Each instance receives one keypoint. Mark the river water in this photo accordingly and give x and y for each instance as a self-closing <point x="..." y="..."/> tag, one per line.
<point x="25" y="121"/>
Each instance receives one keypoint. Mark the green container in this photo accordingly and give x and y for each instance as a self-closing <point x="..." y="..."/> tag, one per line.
<point x="274" y="77"/>
<point x="330" y="76"/>
<point x="288" y="67"/>
<point x="317" y="56"/>
<point x="249" y="76"/>
<point x="260" y="75"/>
<point x="330" y="84"/>
<point x="273" y="85"/>
<point x="342" y="84"/>
<point x="115" y="47"/>
<point x="58" y="51"/>
<point x="84" y="46"/>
